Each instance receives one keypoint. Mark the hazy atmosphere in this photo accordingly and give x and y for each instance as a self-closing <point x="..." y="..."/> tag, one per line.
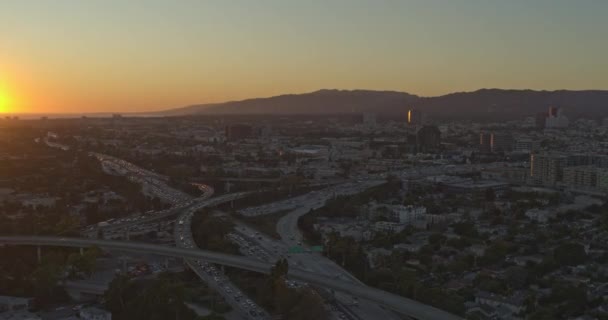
<point x="93" y="56"/>
<point x="303" y="159"/>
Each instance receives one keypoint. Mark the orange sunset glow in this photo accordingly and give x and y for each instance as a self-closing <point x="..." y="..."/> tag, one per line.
<point x="6" y="101"/>
<point x="136" y="56"/>
<point x="303" y="159"/>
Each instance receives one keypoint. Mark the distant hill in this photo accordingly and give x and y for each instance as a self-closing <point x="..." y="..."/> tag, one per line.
<point x="480" y="104"/>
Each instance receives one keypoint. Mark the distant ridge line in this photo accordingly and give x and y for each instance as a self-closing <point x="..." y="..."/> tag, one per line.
<point x="482" y="103"/>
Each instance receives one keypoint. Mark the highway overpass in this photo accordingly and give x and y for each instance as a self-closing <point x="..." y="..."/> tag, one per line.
<point x="197" y="204"/>
<point x="391" y="301"/>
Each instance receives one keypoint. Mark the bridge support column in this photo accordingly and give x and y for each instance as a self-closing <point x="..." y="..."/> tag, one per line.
<point x="166" y="263"/>
<point x="81" y="251"/>
<point x="39" y="254"/>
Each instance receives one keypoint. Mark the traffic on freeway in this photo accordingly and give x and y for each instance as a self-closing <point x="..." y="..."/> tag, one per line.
<point x="211" y="275"/>
<point x="250" y="241"/>
<point x="394" y="302"/>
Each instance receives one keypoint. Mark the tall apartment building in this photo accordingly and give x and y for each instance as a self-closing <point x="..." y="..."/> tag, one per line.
<point x="495" y="142"/>
<point x="556" y="119"/>
<point x="428" y="138"/>
<point x="415" y="117"/>
<point x="588" y="159"/>
<point x="602" y="179"/>
<point x="238" y="131"/>
<point x="526" y="145"/>
<point x="546" y="168"/>
<point x="485" y="142"/>
<point x="502" y="142"/>
<point x="580" y="176"/>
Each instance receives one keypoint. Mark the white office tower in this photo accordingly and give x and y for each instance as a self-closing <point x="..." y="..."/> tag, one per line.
<point x="555" y="119"/>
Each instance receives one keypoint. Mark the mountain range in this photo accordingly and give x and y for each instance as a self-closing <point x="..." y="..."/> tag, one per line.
<point x="480" y="104"/>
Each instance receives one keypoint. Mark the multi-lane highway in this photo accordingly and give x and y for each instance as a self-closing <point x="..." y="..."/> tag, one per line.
<point x="185" y="207"/>
<point x="312" y="263"/>
<point x="315" y="198"/>
<point x="138" y="219"/>
<point x="287" y="228"/>
<point x="397" y="303"/>
<point x="152" y="183"/>
<point x="211" y="275"/>
<point x="262" y="247"/>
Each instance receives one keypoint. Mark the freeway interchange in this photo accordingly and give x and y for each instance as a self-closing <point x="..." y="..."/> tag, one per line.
<point x="211" y="275"/>
<point x="394" y="302"/>
<point x="313" y="268"/>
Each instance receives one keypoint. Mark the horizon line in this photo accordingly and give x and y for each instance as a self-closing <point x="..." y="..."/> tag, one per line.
<point x="3" y="114"/>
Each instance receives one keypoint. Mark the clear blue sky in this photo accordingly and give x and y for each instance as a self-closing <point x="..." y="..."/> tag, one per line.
<point x="118" y="55"/>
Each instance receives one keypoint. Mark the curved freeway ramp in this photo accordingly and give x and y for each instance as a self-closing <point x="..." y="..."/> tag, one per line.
<point x="397" y="303"/>
<point x="195" y="204"/>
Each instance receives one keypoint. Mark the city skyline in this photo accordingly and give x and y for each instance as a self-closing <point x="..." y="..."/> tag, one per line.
<point x="110" y="56"/>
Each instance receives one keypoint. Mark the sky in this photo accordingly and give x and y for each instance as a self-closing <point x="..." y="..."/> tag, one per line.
<point x="74" y="56"/>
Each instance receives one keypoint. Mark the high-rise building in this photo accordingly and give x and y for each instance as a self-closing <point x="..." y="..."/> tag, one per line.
<point x="602" y="179"/>
<point x="414" y="117"/>
<point x="555" y="119"/>
<point x="502" y="142"/>
<point x="553" y="112"/>
<point x="495" y="142"/>
<point x="588" y="159"/>
<point x="580" y="176"/>
<point x="546" y="168"/>
<point x="428" y="138"/>
<point x="541" y="118"/>
<point x="485" y="144"/>
<point x="526" y="144"/>
<point x="238" y="131"/>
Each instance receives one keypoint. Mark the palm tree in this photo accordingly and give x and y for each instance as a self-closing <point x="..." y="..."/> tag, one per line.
<point x="115" y="295"/>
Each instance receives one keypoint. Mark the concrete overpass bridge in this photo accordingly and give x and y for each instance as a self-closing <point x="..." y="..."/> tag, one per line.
<point x="196" y="204"/>
<point x="408" y="307"/>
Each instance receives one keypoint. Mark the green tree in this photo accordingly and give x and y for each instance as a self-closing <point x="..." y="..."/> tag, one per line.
<point x="45" y="278"/>
<point x="117" y="294"/>
<point x="570" y="254"/>
<point x="437" y="239"/>
<point x="466" y="228"/>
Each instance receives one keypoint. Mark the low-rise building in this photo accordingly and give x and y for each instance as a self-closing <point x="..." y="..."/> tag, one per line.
<point x="93" y="313"/>
<point x="523" y="261"/>
<point x="406" y="214"/>
<point x="514" y="305"/>
<point x="539" y="215"/>
<point x="19" y="315"/>
<point x="376" y="256"/>
<point x="388" y="227"/>
<point x="8" y="303"/>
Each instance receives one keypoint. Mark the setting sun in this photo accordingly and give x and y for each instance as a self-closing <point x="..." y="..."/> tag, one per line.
<point x="4" y="102"/>
<point x="7" y="100"/>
